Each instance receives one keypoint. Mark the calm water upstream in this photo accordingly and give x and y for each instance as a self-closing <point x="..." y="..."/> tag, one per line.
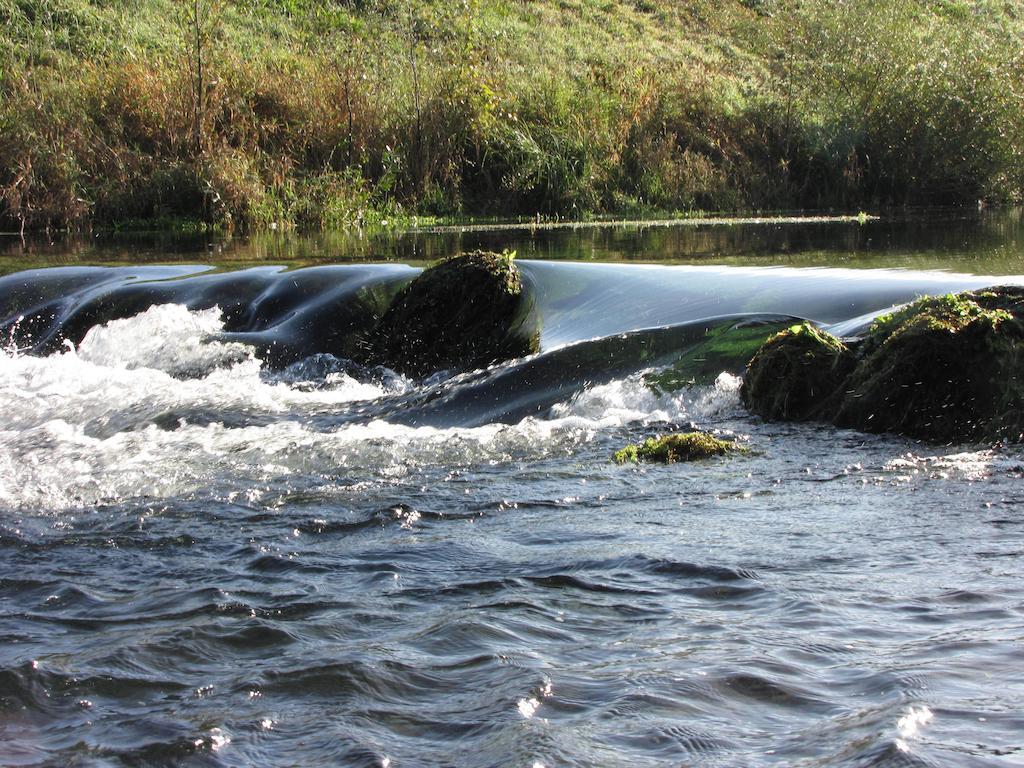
<point x="223" y="544"/>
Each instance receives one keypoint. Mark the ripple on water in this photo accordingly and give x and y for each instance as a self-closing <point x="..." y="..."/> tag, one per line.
<point x="216" y="566"/>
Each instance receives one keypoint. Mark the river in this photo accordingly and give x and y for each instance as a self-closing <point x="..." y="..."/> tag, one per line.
<point x="224" y="544"/>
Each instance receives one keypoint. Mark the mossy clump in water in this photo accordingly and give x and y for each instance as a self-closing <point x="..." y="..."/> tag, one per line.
<point x="466" y="312"/>
<point x="944" y="369"/>
<point x="684" y="446"/>
<point x="795" y="373"/>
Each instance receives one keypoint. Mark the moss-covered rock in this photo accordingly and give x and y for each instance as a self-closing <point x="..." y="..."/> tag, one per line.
<point x="466" y="312"/>
<point x="796" y="374"/>
<point x="943" y="369"/>
<point x="683" y="446"/>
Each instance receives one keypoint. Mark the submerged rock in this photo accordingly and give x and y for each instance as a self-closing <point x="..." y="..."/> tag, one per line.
<point x="683" y="446"/>
<point x="943" y="369"/>
<point x="466" y="312"/>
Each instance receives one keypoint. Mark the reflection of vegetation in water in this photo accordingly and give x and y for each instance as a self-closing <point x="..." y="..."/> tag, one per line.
<point x="723" y="348"/>
<point x="294" y="113"/>
<point x="987" y="243"/>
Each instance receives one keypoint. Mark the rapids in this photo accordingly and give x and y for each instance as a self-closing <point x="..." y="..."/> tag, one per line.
<point x="224" y="543"/>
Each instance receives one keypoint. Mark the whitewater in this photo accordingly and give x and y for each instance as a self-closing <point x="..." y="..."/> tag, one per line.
<point x="224" y="543"/>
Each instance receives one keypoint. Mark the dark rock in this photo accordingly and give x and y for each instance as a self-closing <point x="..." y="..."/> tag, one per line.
<point x="464" y="313"/>
<point x="943" y="369"/>
<point x="795" y="375"/>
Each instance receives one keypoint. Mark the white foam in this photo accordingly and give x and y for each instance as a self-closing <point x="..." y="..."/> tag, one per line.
<point x="629" y="400"/>
<point x="115" y="419"/>
<point x="167" y="337"/>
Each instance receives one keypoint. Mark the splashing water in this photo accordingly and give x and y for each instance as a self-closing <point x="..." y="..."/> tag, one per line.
<point x="212" y="560"/>
<point x="154" y="406"/>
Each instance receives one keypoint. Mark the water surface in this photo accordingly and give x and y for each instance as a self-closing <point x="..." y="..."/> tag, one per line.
<point x="222" y="545"/>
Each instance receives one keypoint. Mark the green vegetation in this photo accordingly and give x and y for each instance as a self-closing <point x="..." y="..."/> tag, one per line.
<point x="944" y="369"/>
<point x="723" y="348"/>
<point x="684" y="446"/>
<point x="795" y="373"/>
<point x="362" y="113"/>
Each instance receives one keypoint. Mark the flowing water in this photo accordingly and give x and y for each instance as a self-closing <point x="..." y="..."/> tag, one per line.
<point x="222" y="543"/>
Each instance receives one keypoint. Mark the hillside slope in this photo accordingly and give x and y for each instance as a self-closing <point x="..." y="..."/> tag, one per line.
<point x="341" y="113"/>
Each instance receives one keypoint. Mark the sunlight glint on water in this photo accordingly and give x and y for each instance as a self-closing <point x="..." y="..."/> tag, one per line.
<point x="210" y="562"/>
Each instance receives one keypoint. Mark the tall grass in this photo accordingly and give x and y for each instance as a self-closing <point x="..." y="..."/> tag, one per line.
<point x="897" y="102"/>
<point x="295" y="113"/>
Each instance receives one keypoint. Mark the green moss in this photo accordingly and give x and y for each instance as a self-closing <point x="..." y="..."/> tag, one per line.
<point x="684" y="446"/>
<point x="794" y="375"/>
<point x="950" y="312"/>
<point x="943" y="368"/>
<point x="723" y="348"/>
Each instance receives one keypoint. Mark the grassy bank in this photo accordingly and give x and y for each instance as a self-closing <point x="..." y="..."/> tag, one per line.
<point x="347" y="113"/>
